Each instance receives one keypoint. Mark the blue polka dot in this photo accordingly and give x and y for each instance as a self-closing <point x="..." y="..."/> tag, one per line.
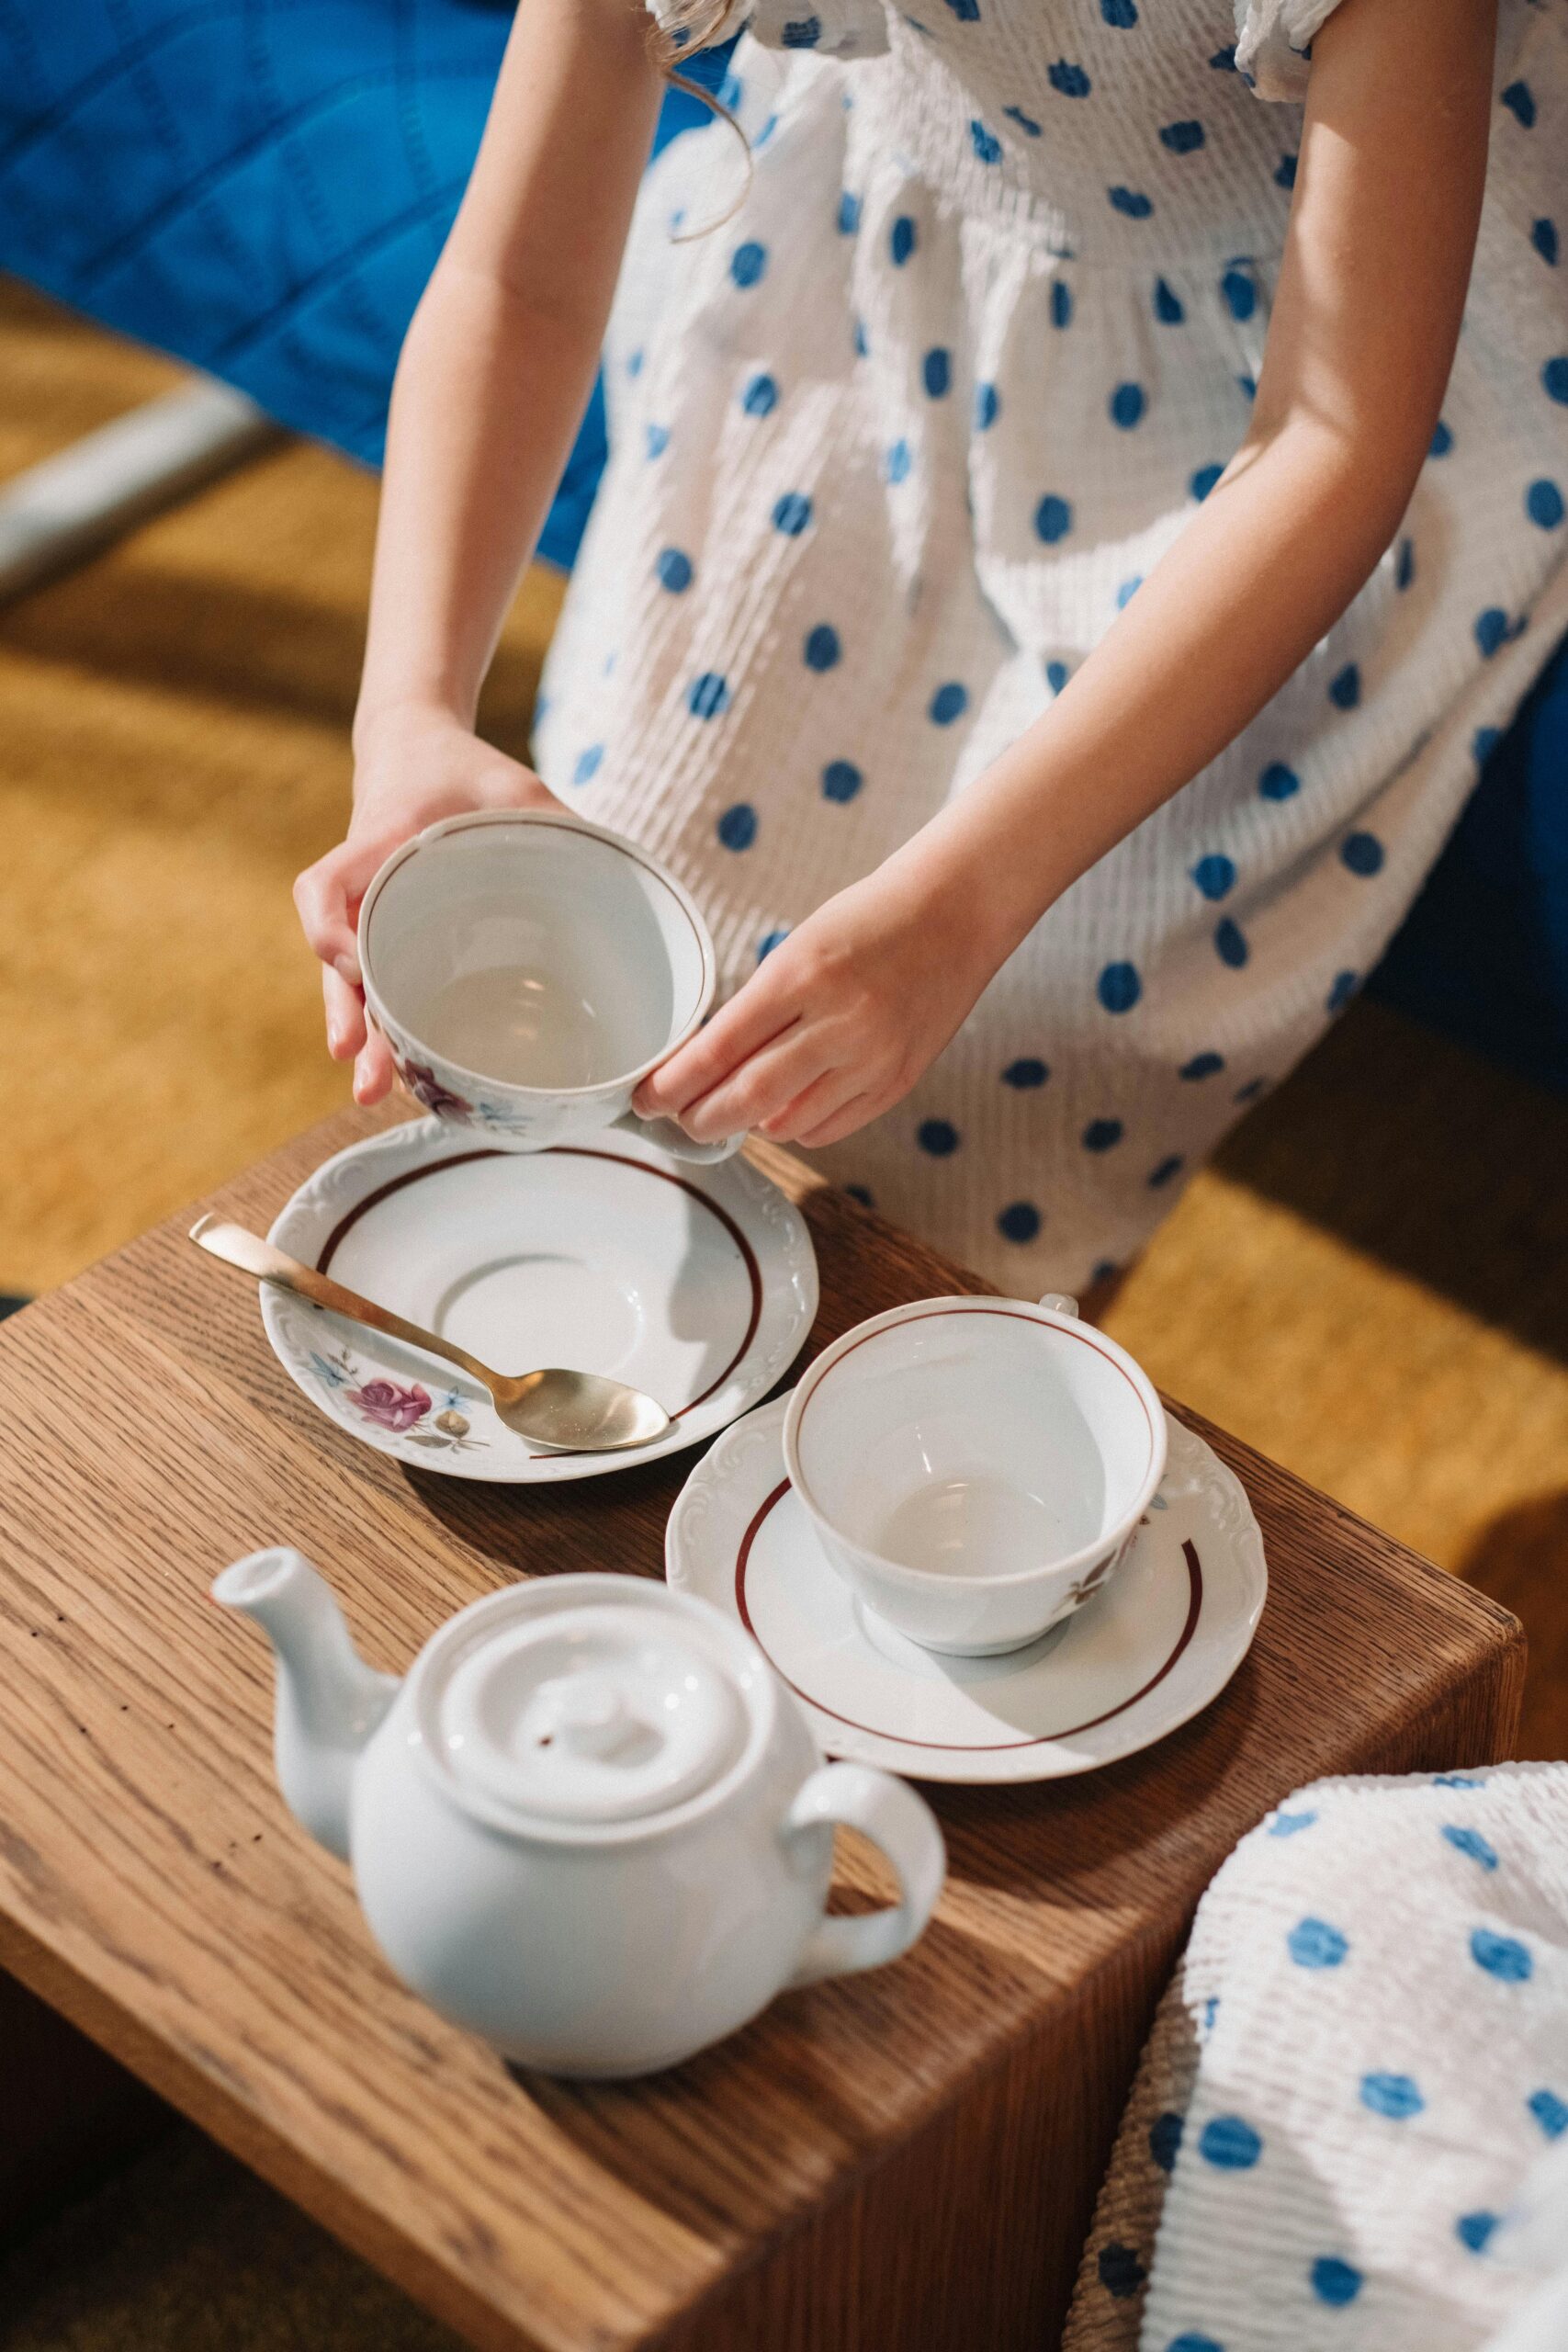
<point x="849" y="214"/>
<point x="1240" y="293"/>
<point x="1543" y="237"/>
<point x="1128" y="402"/>
<point x="1128" y="590"/>
<point x="792" y="514"/>
<point x="1333" y="2282"/>
<point x="1230" y="942"/>
<point x="1224" y="60"/>
<point x="1188" y="2340"/>
<point x="1345" y="687"/>
<point x="936" y="374"/>
<point x="861" y="1192"/>
<point x="862" y="347"/>
<point x="1165" y="2139"/>
<point x="841" y="780"/>
<point x="1502" y="1956"/>
<point x="966" y="11"/>
<point x="1404" y="564"/>
<point x="1230" y="2143"/>
<point x="748" y="261"/>
<point x="1203" y="481"/>
<point x="1470" y="1842"/>
<point x="901" y="240"/>
<point x="1457" y="1780"/>
<point x="1169" y="308"/>
<point x="1203" y="1066"/>
<point x="1052" y="518"/>
<point x="1056" y="675"/>
<point x="1442" y="441"/>
<point x="1104" y="1269"/>
<point x="634" y="364"/>
<point x="588" y="763"/>
<point x="1285" y="174"/>
<point x="1248" y="385"/>
<point x="948" y="703"/>
<point x="1362" y="852"/>
<point x="1484" y="743"/>
<point x="1160" y="1177"/>
<point x="1061" y="303"/>
<point x="1120" y="2272"/>
<point x="1519" y="99"/>
<point x="675" y="571"/>
<point x="1550" y="2112"/>
<point x="738" y="826"/>
<point x="822" y="649"/>
<point x="709" y="695"/>
<point x="766" y="946"/>
<point x="802" y="32"/>
<point x="1543" y="505"/>
<point x="1250" y="1091"/>
<point x="1019" y="1221"/>
<point x="1128" y="201"/>
<point x="1277" y="781"/>
<point x="985" y="143"/>
<point x="987" y="407"/>
<point x="1025" y="122"/>
<point x="898" y="462"/>
<point x="767" y="131"/>
<point x="1071" y="80"/>
<point x="938" y="1136"/>
<point x="761" y="396"/>
<point x="1344" y="988"/>
<point x="1026" y="1073"/>
<point x="1119" y="988"/>
<point x="1215" y="874"/>
<point x="1472" y="2230"/>
<point x="656" y="439"/>
<point x="1491" y="630"/>
<point x="1290" y="1824"/>
<point x="1313" y="1943"/>
<point x="1394" y="2095"/>
<point x="1121" y="13"/>
<point x="1183" y="138"/>
<point x="1103" y="1135"/>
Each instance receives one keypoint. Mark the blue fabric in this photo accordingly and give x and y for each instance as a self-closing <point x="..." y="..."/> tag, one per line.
<point x="260" y="187"/>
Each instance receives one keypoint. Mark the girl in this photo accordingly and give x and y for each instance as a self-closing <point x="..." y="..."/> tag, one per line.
<point x="1060" y="561"/>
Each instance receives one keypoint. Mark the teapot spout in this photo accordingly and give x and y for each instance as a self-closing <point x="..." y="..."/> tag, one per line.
<point x="329" y="1702"/>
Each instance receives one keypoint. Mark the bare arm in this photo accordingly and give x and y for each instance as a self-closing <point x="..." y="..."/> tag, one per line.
<point x="494" y="375"/>
<point x="843" y="1017"/>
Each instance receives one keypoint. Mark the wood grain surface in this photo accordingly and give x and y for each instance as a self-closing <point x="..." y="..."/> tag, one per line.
<point x="903" y="2161"/>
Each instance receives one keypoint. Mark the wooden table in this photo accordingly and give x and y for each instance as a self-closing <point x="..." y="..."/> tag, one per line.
<point x="902" y="2162"/>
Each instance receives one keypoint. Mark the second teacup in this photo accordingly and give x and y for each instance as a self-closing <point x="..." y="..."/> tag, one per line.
<point x="974" y="1467"/>
<point x="528" y="970"/>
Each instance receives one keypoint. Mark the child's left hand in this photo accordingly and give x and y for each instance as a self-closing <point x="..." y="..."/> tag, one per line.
<point x="837" y="1022"/>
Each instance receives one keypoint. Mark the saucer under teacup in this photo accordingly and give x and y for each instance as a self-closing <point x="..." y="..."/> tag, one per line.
<point x="1160" y="1640"/>
<point x="697" y="1285"/>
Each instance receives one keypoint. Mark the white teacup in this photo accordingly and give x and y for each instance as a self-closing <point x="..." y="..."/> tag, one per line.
<point x="528" y="970"/>
<point x="974" y="1467"/>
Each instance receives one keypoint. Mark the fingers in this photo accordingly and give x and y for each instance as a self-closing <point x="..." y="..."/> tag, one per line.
<point x="765" y="1083"/>
<point x="855" y="1113"/>
<point x="327" y="897"/>
<point x="751" y="1020"/>
<point x="373" y="1071"/>
<point x="345" y="1016"/>
<point x="816" y="1104"/>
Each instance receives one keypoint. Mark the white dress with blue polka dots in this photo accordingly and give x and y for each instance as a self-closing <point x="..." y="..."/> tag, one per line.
<point x="892" y="446"/>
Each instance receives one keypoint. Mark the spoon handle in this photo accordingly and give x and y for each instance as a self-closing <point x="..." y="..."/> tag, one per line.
<point x="236" y="1246"/>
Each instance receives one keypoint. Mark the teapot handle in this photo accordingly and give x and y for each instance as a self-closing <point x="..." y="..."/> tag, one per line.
<point x="903" y="1826"/>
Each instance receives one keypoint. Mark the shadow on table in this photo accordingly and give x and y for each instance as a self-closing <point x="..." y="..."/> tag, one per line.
<point x="1521" y="1559"/>
<point x="1428" y="1158"/>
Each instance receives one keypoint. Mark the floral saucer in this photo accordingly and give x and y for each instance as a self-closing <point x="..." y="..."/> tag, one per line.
<point x="697" y="1285"/>
<point x="1155" y="1646"/>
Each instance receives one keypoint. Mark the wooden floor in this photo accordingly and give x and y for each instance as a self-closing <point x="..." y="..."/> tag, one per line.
<point x="1371" y="1284"/>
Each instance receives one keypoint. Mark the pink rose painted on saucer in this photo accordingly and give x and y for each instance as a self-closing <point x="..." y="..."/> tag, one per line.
<point x="390" y="1405"/>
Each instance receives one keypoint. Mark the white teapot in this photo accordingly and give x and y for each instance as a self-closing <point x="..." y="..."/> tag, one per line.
<point x="590" y="1824"/>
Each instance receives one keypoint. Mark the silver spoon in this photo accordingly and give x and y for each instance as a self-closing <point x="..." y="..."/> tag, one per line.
<point x="569" y="1412"/>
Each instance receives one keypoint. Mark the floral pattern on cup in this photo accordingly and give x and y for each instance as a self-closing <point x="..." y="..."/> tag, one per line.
<point x="427" y="1089"/>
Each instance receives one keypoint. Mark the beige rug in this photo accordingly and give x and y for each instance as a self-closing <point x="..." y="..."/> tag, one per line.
<point x="1371" y="1285"/>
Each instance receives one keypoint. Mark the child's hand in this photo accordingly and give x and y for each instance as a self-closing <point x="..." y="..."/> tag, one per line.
<point x="413" y="767"/>
<point x="840" y="1020"/>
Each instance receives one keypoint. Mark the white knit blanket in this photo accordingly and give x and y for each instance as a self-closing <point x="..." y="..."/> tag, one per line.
<point x="1350" y="2126"/>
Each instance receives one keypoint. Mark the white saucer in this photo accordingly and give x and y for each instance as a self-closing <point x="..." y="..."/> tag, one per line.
<point x="697" y="1285"/>
<point x="1165" y="1635"/>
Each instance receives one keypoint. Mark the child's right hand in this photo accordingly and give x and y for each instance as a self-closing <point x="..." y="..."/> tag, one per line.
<point x="412" y="766"/>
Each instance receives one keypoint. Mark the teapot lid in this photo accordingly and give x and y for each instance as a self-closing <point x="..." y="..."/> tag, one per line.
<point x="604" y="1712"/>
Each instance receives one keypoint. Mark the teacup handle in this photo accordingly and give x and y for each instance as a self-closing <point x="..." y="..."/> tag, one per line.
<point x="890" y="1814"/>
<point x="669" y="1138"/>
<point x="1057" y="1302"/>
